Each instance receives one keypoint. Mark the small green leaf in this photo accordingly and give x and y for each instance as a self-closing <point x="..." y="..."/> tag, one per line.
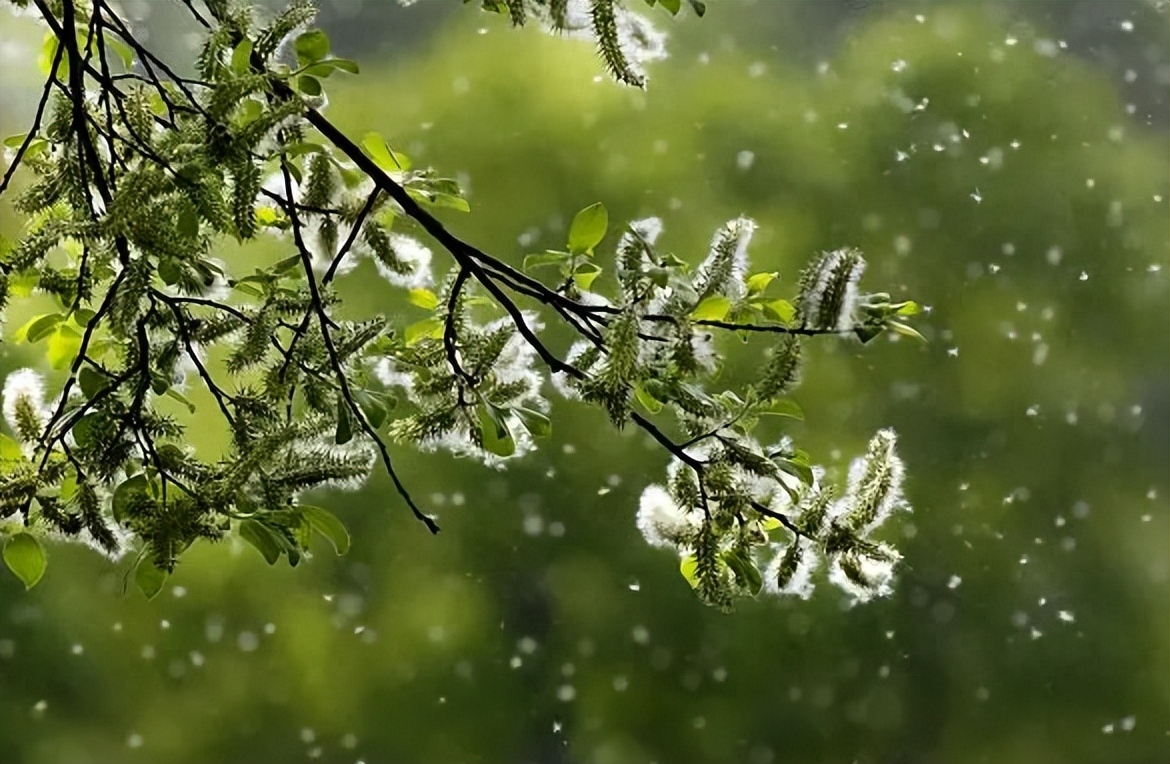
<point x="713" y="308"/>
<point x="262" y="537"/>
<point x="312" y="46"/>
<point x="673" y="6"/>
<point x="25" y="557"/>
<point x="497" y="439"/>
<point x="588" y="229"/>
<point x="783" y="407"/>
<point x="585" y="275"/>
<point x="758" y="282"/>
<point x="268" y="216"/>
<point x="47" y="53"/>
<point x="383" y="156"/>
<point x="746" y="573"/>
<point x="699" y="6"/>
<point x="326" y="523"/>
<point x="905" y="331"/>
<point x="781" y="310"/>
<point x="535" y="422"/>
<point x="90" y="381"/>
<point x="242" y="56"/>
<point x="325" y="67"/>
<point x="646" y="400"/>
<point x="83" y="431"/>
<point x="769" y="524"/>
<point x="372" y="406"/>
<point x="545" y="258"/>
<point x="10" y="450"/>
<point x="689" y="567"/>
<point x="124" y="51"/>
<point x="906" y="309"/>
<point x="42" y="327"/>
<point x="344" y="432"/>
<point x="149" y="578"/>
<point x="797" y="468"/>
<point x="63" y="347"/>
<point x="175" y="394"/>
<point x="15" y="141"/>
<point x="423" y="298"/>
<point x="450" y="201"/>
<point x="309" y="85"/>
<point x="428" y="328"/>
<point x="126" y="493"/>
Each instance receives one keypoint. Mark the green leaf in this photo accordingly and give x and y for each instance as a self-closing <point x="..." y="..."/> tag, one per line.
<point x="585" y="275"/>
<point x="90" y="381"/>
<point x="42" y="327"/>
<point x="450" y="201"/>
<point x="149" y="578"/>
<point x="699" y="6"/>
<point x="906" y="309"/>
<point x="15" y="141"/>
<point x="535" y="422"/>
<point x="383" y="156"/>
<point x="325" y="67"/>
<point x="124" y="51"/>
<point x="905" y="331"/>
<point x="689" y="567"/>
<point x="63" y="346"/>
<point x="312" y="46"/>
<point x="781" y="310"/>
<point x="242" y="56"/>
<point x="10" y="450"/>
<point x="344" y="432"/>
<point x="47" y="53"/>
<point x="646" y="400"/>
<point x="175" y="394"/>
<point x="797" y="468"/>
<point x="372" y="406"/>
<point x="309" y="85"/>
<point x="423" y="298"/>
<point x="83" y="431"/>
<point x="269" y="216"/>
<point x="428" y="328"/>
<point x="713" y="308"/>
<point x="782" y="407"/>
<point x="745" y="570"/>
<point x="550" y="257"/>
<point x="588" y="229"/>
<point x="25" y="557"/>
<point x="126" y="493"/>
<point x="267" y="543"/>
<point x="497" y="439"/>
<point x="758" y="282"/>
<point x="671" y="5"/>
<point x="326" y="523"/>
<point x="769" y="524"/>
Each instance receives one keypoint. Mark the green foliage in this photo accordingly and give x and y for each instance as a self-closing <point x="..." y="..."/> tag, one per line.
<point x="146" y="314"/>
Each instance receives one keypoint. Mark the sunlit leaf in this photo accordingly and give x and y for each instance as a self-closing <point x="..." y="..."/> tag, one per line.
<point x="905" y="330"/>
<point x="25" y="557"/>
<point x="423" y="298"/>
<point x="312" y="46"/>
<point x="588" y="229"/>
<point x="713" y="308"/>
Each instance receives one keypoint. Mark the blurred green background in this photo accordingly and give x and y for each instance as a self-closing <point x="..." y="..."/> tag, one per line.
<point x="1004" y="162"/>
